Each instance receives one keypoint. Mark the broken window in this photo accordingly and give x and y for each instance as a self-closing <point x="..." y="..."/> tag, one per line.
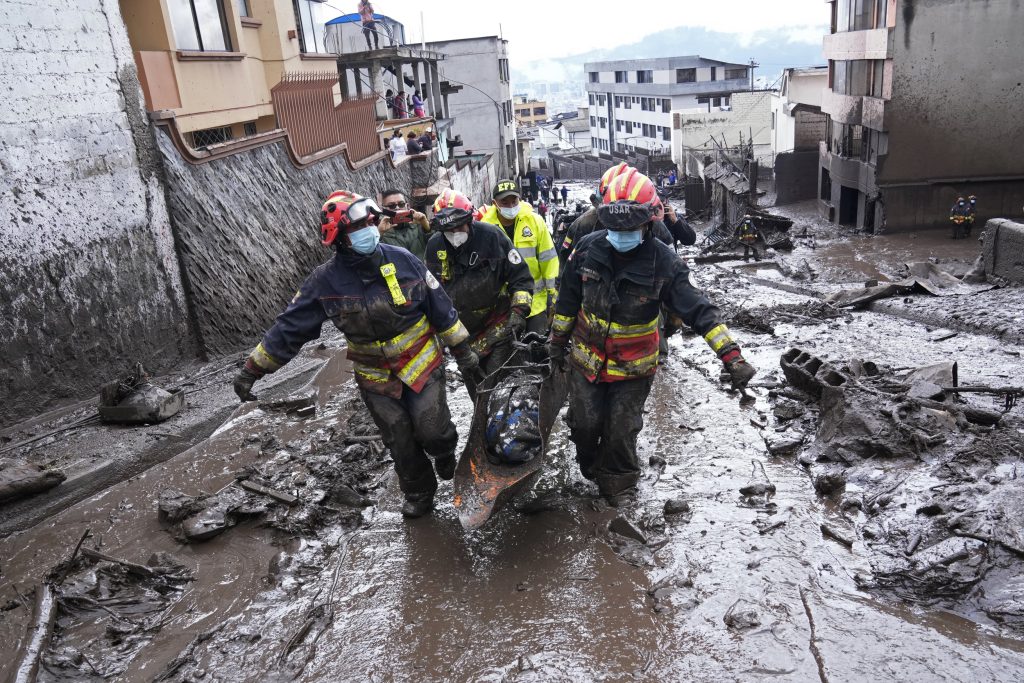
<point x="686" y="75"/>
<point x="199" y="25"/>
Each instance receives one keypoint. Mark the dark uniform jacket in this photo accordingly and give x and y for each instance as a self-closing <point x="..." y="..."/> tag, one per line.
<point x="484" y="277"/>
<point x="608" y="307"/>
<point x="390" y="309"/>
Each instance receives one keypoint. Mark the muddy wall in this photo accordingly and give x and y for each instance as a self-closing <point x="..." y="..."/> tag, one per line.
<point x="796" y="176"/>
<point x="1003" y="250"/>
<point x="910" y="207"/>
<point x="89" y="280"/>
<point x="248" y="231"/>
<point x="955" y="110"/>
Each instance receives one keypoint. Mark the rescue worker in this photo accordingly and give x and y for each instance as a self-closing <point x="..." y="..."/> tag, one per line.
<point x="958" y="216"/>
<point x="393" y="313"/>
<point x="487" y="279"/>
<point x="529" y="233"/>
<point x="402" y="226"/>
<point x="606" y="321"/>
<point x="587" y="223"/>
<point x="747" y="235"/>
<point x="972" y="207"/>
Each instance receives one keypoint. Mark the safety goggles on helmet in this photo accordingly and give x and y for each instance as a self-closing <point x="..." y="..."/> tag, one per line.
<point x="345" y="212"/>
<point x="624" y="215"/>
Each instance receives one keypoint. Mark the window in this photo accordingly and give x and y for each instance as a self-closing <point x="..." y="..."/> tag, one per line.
<point x="210" y="136"/>
<point x="602" y="122"/>
<point x="590" y="98"/>
<point x="310" y="22"/>
<point x="629" y="126"/>
<point x="199" y="25"/>
<point x="645" y="76"/>
<point x="735" y="74"/>
<point x="601" y="100"/>
<point x="249" y="128"/>
<point x="714" y="73"/>
<point x="666" y="105"/>
<point x="716" y="102"/>
<point x="703" y="100"/>
<point x="647" y="103"/>
<point x="666" y="133"/>
<point x="858" y="15"/>
<point x="618" y="126"/>
<point x="881" y="7"/>
<point x="243" y="8"/>
<point x="686" y="75"/>
<point x="593" y="122"/>
<point x="594" y="76"/>
<point x="877" y="77"/>
<point x="621" y="77"/>
<point x="539" y="111"/>
<point x="503" y="70"/>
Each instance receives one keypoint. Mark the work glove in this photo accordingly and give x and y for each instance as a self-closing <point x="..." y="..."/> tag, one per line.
<point x="516" y="323"/>
<point x="556" y="356"/>
<point x="468" y="363"/>
<point x="740" y="372"/>
<point x="243" y="384"/>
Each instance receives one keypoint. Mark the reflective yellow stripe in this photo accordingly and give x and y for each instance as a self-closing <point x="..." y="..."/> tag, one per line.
<point x="263" y="359"/>
<point x="414" y="368"/>
<point x="446" y="267"/>
<point x="619" y="331"/>
<point x="396" y="345"/>
<point x="379" y="375"/>
<point x="527" y="252"/>
<point x="522" y="299"/>
<point x="636" y="191"/>
<point x="456" y="334"/>
<point x="718" y="337"/>
<point x="547" y="255"/>
<point x="389" y="271"/>
<point x="632" y="368"/>
<point x="562" y="324"/>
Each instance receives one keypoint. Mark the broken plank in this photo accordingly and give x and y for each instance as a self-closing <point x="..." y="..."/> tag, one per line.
<point x="836" y="534"/>
<point x="131" y="567"/>
<point x="279" y="496"/>
<point x="37" y="636"/>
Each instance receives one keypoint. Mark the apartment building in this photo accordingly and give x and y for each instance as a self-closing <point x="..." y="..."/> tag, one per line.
<point x="479" y="95"/>
<point x="529" y="112"/>
<point x="631" y="101"/>
<point x="923" y="105"/>
<point x="212" y="63"/>
<point x="797" y="128"/>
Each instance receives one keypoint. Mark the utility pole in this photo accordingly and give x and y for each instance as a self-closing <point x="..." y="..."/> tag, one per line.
<point x="753" y="65"/>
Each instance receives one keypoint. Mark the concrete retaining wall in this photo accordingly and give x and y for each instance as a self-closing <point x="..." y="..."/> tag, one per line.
<point x="1003" y="250"/>
<point x="90" y="279"/>
<point x="248" y="229"/>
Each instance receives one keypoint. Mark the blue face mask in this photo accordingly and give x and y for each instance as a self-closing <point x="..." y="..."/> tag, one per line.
<point x="364" y="240"/>
<point x="625" y="240"/>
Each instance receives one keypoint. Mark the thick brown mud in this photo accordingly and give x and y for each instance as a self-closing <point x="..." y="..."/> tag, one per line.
<point x="781" y="582"/>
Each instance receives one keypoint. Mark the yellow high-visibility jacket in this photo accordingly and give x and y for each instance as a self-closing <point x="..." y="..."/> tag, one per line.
<point x="533" y="241"/>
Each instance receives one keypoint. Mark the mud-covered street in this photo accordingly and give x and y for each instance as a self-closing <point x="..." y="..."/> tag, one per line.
<point x="847" y="524"/>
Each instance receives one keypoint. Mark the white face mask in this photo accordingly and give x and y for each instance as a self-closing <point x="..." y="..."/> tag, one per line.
<point x="508" y="212"/>
<point x="457" y="239"/>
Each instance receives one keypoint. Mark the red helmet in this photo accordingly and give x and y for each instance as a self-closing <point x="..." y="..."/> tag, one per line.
<point x="342" y="211"/>
<point x="635" y="190"/>
<point x="632" y="186"/>
<point x="611" y="174"/>
<point x="451" y="210"/>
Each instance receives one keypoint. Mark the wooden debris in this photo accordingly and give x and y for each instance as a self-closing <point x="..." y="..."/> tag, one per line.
<point x="37" y="636"/>
<point x="279" y="496"/>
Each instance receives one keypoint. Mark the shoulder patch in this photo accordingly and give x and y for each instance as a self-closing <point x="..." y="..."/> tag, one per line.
<point x="514" y="257"/>
<point x="432" y="281"/>
<point x="527" y="232"/>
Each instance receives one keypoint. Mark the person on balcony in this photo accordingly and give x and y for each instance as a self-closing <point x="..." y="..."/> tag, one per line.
<point x="400" y="108"/>
<point x="397" y="145"/>
<point x="412" y="144"/>
<point x="369" y="24"/>
<point x="417" y="105"/>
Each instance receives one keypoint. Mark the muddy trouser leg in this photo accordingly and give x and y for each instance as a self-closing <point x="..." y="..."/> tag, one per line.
<point x="618" y="468"/>
<point x="588" y="410"/>
<point x="432" y="423"/>
<point x="393" y="419"/>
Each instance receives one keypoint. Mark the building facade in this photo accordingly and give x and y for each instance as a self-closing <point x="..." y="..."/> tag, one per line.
<point x="213" y="63"/>
<point x="529" y="112"/>
<point x="631" y="101"/>
<point x="479" y="96"/>
<point x="923" y="105"/>
<point x="798" y="127"/>
<point x="747" y="122"/>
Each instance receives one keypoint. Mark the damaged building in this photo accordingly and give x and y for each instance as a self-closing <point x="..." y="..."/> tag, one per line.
<point x="923" y="105"/>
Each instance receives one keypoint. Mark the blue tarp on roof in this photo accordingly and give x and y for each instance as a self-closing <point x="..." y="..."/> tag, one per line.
<point x="354" y="18"/>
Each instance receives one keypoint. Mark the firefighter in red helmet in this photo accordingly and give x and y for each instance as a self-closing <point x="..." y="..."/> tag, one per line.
<point x="606" y="322"/>
<point x="487" y="279"/>
<point x="395" y="316"/>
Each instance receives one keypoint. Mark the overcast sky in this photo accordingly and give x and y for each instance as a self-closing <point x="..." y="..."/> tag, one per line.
<point x="556" y="28"/>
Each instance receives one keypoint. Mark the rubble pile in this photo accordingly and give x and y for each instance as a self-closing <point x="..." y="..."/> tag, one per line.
<point x="764" y="318"/>
<point x="929" y="483"/>
<point x="296" y="487"/>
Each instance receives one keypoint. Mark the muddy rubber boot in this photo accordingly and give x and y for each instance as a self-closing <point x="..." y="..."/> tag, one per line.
<point x="444" y="465"/>
<point x="622" y="499"/>
<point x="417" y="506"/>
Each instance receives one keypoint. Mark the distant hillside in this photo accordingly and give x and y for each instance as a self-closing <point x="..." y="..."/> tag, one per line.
<point x="773" y="49"/>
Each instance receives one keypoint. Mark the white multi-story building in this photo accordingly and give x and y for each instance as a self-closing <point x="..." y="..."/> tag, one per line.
<point x="631" y="101"/>
<point x="480" y="97"/>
